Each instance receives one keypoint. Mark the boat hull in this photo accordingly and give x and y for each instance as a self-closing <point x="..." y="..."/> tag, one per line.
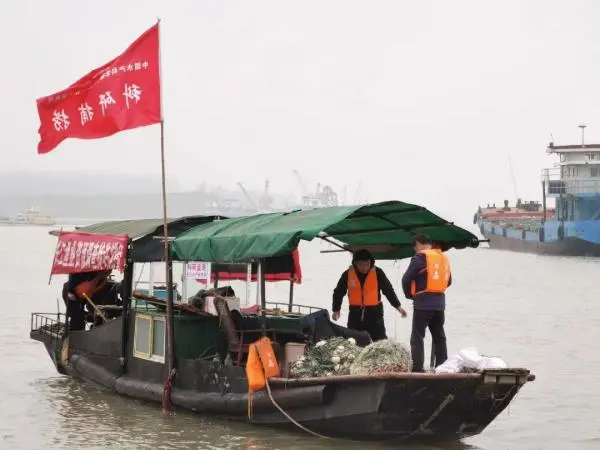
<point x="552" y="238"/>
<point x="570" y="246"/>
<point x="372" y="408"/>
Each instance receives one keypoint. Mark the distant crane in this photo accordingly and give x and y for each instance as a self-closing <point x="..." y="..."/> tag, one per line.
<point x="303" y="188"/>
<point x="252" y="203"/>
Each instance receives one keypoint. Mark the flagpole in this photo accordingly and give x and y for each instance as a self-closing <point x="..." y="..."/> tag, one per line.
<point x="168" y="261"/>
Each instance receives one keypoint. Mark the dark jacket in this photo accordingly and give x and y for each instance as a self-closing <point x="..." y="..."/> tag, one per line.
<point x="74" y="280"/>
<point x="425" y="300"/>
<point x="384" y="286"/>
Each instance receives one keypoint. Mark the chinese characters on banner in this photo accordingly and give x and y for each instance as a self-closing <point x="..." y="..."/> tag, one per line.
<point x="120" y="95"/>
<point x="86" y="252"/>
<point x="199" y="271"/>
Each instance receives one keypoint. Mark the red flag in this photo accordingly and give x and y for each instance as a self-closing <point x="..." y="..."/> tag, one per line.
<point x="86" y="252"/>
<point x="120" y="95"/>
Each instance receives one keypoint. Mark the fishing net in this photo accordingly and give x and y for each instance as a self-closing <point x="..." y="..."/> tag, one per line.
<point x="339" y="356"/>
<point x="382" y="356"/>
<point x="328" y="357"/>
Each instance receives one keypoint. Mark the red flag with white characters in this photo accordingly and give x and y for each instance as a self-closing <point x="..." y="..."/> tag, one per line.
<point x="120" y="95"/>
<point x="86" y="252"/>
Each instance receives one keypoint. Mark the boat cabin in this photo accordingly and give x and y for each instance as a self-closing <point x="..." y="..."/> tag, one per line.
<point x="574" y="181"/>
<point x="209" y="319"/>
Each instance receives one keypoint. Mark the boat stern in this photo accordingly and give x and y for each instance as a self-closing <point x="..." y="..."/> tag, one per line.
<point x="49" y="329"/>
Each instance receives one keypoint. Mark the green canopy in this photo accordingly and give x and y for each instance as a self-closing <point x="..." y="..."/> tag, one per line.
<point x="386" y="229"/>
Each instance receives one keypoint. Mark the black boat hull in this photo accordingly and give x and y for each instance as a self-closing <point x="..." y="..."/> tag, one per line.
<point x="373" y="408"/>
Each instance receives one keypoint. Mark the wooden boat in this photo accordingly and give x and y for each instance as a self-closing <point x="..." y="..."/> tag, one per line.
<point x="201" y="368"/>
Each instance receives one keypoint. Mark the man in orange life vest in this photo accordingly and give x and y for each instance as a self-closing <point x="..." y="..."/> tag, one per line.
<point x="363" y="282"/>
<point x="425" y="282"/>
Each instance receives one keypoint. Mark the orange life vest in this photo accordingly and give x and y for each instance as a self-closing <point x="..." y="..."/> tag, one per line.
<point x="260" y="366"/>
<point x="89" y="288"/>
<point x="366" y="295"/>
<point x="437" y="267"/>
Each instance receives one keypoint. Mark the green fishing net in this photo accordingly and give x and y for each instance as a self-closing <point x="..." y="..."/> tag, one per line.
<point x="339" y="356"/>
<point x="382" y="356"/>
<point x="328" y="357"/>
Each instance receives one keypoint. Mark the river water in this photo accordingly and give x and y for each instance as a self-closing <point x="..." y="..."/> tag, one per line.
<point x="534" y="311"/>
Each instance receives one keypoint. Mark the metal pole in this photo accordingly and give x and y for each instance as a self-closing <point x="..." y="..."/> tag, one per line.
<point x="291" y="301"/>
<point x="248" y="281"/>
<point x="168" y="262"/>
<point x="263" y="301"/>
<point x="582" y="134"/>
<point x="126" y="290"/>
<point x="544" y="199"/>
<point x="258" y="274"/>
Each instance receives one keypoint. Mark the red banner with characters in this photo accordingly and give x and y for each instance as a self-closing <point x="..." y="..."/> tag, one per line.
<point x="120" y="95"/>
<point x="88" y="252"/>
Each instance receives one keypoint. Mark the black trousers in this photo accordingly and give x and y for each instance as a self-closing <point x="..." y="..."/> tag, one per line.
<point x="370" y="321"/>
<point x="75" y="312"/>
<point x="434" y="320"/>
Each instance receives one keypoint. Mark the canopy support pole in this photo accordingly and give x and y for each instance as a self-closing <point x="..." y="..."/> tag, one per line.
<point x="291" y="299"/>
<point x="326" y="239"/>
<point x="248" y="281"/>
<point x="263" y="301"/>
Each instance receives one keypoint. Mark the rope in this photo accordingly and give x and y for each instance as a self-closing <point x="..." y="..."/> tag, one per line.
<point x="166" y="397"/>
<point x="449" y="398"/>
<point x="287" y="416"/>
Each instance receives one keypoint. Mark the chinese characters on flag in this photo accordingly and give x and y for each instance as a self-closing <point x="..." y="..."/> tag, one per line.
<point x="121" y="95"/>
<point x="86" y="252"/>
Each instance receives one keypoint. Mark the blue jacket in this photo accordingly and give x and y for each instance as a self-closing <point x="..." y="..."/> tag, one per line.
<point x="425" y="300"/>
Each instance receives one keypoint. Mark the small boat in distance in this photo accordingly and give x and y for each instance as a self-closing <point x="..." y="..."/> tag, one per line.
<point x="31" y="216"/>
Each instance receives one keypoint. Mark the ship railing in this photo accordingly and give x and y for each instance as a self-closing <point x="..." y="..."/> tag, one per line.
<point x="295" y="308"/>
<point x="557" y="185"/>
<point x="52" y="324"/>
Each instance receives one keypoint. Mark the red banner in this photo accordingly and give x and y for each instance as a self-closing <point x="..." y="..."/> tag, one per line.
<point x="87" y="252"/>
<point x="278" y="268"/>
<point x="121" y="95"/>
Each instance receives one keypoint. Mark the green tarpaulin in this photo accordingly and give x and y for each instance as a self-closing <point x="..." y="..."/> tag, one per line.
<point x="385" y="228"/>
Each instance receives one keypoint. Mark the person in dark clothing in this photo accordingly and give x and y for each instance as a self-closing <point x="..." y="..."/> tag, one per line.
<point x="76" y="307"/>
<point x="425" y="282"/>
<point x="364" y="283"/>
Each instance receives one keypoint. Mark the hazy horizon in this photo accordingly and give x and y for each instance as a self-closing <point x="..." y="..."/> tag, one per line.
<point x="423" y="102"/>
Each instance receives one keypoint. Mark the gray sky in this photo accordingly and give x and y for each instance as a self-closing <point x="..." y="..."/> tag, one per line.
<point x="425" y="101"/>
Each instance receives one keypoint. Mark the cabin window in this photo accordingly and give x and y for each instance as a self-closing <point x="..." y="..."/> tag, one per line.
<point x="563" y="157"/>
<point x="595" y="171"/>
<point x="149" y="340"/>
<point x="592" y="156"/>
